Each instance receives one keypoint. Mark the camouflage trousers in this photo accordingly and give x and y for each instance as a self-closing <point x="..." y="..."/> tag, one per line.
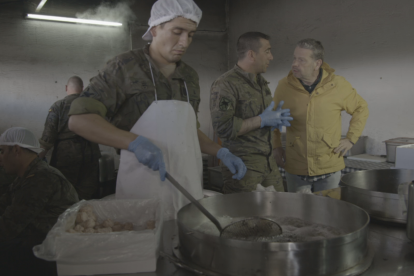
<point x="78" y="161"/>
<point x="258" y="172"/>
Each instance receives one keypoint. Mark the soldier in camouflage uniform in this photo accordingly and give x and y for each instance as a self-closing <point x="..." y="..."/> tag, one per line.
<point x="33" y="203"/>
<point x="124" y="103"/>
<point x="125" y="88"/>
<point x="76" y="158"/>
<point x="239" y="98"/>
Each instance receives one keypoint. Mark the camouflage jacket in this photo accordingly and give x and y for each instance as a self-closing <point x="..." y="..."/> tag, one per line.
<point x="124" y="89"/>
<point x="236" y="96"/>
<point x="56" y="125"/>
<point x="34" y="201"/>
<point x="70" y="149"/>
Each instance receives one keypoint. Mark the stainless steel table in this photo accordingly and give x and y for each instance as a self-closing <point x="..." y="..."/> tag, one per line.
<point x="394" y="253"/>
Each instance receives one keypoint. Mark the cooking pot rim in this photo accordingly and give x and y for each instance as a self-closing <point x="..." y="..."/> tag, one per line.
<point x="284" y="246"/>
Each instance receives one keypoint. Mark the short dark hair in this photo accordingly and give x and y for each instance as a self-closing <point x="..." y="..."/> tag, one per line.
<point x="76" y="82"/>
<point x="313" y="45"/>
<point x="249" y="41"/>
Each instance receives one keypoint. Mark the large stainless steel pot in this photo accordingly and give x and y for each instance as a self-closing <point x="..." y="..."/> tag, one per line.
<point x="376" y="191"/>
<point x="410" y="212"/>
<point x="220" y="256"/>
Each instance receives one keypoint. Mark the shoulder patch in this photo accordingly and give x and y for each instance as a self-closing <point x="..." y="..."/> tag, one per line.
<point x="225" y="104"/>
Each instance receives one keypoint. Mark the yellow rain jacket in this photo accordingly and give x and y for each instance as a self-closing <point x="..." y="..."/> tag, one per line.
<point x="316" y="127"/>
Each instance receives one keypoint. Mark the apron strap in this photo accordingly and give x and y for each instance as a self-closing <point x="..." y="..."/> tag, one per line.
<point x="188" y="97"/>
<point x="153" y="81"/>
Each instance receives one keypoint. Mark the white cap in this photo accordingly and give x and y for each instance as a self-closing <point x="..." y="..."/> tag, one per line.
<point x="166" y="10"/>
<point x="22" y="137"/>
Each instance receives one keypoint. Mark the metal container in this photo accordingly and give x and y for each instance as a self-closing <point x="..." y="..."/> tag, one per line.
<point x="410" y="212"/>
<point x="376" y="191"/>
<point x="208" y="193"/>
<point x="215" y="179"/>
<point x="218" y="256"/>
<point x="392" y="144"/>
<point x="106" y="167"/>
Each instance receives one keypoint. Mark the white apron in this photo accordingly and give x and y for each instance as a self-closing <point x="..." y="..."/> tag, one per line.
<point x="171" y="126"/>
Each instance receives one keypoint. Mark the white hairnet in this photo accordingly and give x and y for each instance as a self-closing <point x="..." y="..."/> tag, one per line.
<point x="22" y="137"/>
<point x="166" y="10"/>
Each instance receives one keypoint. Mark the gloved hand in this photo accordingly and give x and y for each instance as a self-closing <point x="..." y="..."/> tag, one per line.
<point x="148" y="154"/>
<point x="275" y="118"/>
<point x="234" y="163"/>
<point x="284" y="114"/>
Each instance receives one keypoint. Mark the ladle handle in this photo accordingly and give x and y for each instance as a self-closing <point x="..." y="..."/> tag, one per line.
<point x="194" y="201"/>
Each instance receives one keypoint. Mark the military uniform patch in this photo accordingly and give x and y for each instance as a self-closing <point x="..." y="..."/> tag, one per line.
<point x="225" y="104"/>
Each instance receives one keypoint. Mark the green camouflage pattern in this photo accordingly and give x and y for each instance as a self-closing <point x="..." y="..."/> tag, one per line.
<point x="248" y="183"/>
<point x="236" y="96"/>
<point x="76" y="158"/>
<point x="35" y="201"/>
<point x="125" y="87"/>
<point x="56" y="125"/>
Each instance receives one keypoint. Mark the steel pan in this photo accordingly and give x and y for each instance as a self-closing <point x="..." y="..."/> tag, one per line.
<point x="218" y="256"/>
<point x="376" y="191"/>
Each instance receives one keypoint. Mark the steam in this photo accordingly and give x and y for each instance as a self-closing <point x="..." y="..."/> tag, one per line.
<point x="119" y="12"/>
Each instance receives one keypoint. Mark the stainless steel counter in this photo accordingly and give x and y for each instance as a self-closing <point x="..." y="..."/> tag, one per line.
<point x="394" y="253"/>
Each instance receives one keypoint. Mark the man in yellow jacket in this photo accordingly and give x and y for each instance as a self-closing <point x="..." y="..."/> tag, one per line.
<point x="316" y="96"/>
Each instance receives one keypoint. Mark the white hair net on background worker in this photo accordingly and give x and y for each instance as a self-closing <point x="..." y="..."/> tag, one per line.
<point x="22" y="137"/>
<point x="166" y="10"/>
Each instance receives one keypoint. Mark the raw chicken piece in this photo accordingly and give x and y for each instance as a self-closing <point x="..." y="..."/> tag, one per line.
<point x="89" y="230"/>
<point x="78" y="228"/>
<point x="128" y="226"/>
<point x="86" y="208"/>
<point x="90" y="223"/>
<point x="104" y="230"/>
<point x="81" y="217"/>
<point x="108" y="223"/>
<point x="117" y="227"/>
<point x="92" y="216"/>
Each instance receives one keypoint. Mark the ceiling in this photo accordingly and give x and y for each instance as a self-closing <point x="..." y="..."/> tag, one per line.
<point x="58" y="7"/>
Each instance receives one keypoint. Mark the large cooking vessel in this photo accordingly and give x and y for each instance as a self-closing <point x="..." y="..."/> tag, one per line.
<point x="342" y="255"/>
<point x="376" y="191"/>
<point x="410" y="212"/>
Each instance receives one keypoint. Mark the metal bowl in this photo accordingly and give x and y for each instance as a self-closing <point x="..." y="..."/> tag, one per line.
<point x="376" y="191"/>
<point x="218" y="256"/>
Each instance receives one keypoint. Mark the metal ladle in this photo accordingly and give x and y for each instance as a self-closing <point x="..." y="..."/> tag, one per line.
<point x="250" y="229"/>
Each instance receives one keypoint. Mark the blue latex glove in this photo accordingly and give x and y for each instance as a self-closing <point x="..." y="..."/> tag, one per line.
<point x="284" y="114"/>
<point x="274" y="118"/>
<point x="234" y="163"/>
<point x="148" y="154"/>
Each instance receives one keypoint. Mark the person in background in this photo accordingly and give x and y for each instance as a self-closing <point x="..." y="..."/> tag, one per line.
<point x="32" y="205"/>
<point x="316" y="96"/>
<point x="243" y="117"/>
<point x="128" y="104"/>
<point x="75" y="157"/>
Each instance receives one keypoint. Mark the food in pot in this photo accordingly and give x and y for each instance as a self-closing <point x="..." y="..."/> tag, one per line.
<point x="293" y="229"/>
